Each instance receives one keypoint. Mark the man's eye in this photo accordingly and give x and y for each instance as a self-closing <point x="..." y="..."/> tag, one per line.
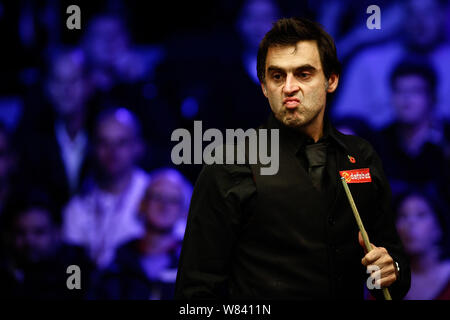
<point x="276" y="76"/>
<point x="304" y="75"/>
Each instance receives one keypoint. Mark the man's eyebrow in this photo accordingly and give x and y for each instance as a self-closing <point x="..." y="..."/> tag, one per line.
<point x="274" y="68"/>
<point x="304" y="67"/>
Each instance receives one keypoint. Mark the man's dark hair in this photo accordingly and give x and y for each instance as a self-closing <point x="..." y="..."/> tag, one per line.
<point x="289" y="31"/>
<point x="417" y="68"/>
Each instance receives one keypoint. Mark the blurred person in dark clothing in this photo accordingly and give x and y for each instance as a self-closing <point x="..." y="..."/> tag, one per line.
<point x="122" y="73"/>
<point x="54" y="146"/>
<point x="103" y="215"/>
<point x="412" y="147"/>
<point x="422" y="224"/>
<point x="35" y="261"/>
<point x="111" y="57"/>
<point x="145" y="268"/>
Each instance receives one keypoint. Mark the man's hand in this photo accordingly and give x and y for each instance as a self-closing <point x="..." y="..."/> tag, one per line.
<point x="378" y="256"/>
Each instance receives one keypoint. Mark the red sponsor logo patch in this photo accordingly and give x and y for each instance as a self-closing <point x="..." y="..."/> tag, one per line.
<point x="356" y="175"/>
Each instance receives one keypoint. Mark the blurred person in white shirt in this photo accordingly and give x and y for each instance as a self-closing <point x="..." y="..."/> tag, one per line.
<point x="103" y="216"/>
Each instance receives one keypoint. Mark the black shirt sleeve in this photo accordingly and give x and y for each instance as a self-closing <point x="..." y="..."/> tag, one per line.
<point x="214" y="219"/>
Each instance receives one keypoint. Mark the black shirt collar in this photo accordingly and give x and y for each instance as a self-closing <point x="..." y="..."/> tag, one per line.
<point x="296" y="139"/>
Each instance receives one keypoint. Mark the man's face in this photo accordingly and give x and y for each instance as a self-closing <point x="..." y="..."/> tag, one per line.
<point x="34" y="236"/>
<point x="116" y="147"/>
<point x="295" y="84"/>
<point x="67" y="86"/>
<point x="107" y="41"/>
<point x="412" y="99"/>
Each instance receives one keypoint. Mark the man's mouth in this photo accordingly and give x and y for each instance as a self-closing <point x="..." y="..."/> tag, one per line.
<point x="291" y="102"/>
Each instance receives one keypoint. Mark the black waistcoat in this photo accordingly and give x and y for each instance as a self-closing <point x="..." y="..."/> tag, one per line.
<point x="299" y="243"/>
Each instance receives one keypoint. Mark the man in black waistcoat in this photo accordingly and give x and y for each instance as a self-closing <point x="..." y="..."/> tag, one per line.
<point x="293" y="235"/>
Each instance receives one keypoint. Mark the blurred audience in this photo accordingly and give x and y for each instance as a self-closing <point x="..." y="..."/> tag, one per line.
<point x="412" y="146"/>
<point x="215" y="80"/>
<point x="110" y="56"/>
<point x="35" y="260"/>
<point x="342" y="19"/>
<point x="103" y="215"/>
<point x="244" y="105"/>
<point x="422" y="225"/>
<point x="55" y="151"/>
<point x="60" y="135"/>
<point x="145" y="268"/>
<point x="122" y="73"/>
<point x="365" y="83"/>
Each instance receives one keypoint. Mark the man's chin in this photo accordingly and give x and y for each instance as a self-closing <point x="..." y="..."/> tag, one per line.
<point x="292" y="120"/>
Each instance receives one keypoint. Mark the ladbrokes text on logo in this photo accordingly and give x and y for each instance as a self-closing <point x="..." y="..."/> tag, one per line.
<point x="356" y="175"/>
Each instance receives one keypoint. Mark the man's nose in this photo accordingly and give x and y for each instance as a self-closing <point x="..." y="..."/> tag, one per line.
<point x="291" y="85"/>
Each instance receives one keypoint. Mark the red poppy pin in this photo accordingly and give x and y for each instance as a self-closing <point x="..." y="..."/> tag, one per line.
<point x="351" y="159"/>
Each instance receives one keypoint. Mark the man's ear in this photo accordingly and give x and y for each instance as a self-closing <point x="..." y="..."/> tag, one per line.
<point x="264" y="90"/>
<point x="333" y="81"/>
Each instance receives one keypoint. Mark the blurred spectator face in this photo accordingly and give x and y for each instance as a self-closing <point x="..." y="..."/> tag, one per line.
<point x="412" y="99"/>
<point x="424" y="23"/>
<point x="34" y="236"/>
<point x="106" y="41"/>
<point x="6" y="161"/>
<point x="255" y="20"/>
<point x="117" y="146"/>
<point x="417" y="225"/>
<point x="163" y="204"/>
<point x="67" y="85"/>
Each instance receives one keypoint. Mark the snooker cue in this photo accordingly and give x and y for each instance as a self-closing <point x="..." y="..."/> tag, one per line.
<point x="387" y="295"/>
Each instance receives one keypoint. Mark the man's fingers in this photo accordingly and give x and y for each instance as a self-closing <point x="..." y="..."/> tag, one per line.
<point x="383" y="270"/>
<point x="382" y="277"/>
<point x="383" y="260"/>
<point x="380" y="263"/>
<point x="373" y="255"/>
<point x="386" y="281"/>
